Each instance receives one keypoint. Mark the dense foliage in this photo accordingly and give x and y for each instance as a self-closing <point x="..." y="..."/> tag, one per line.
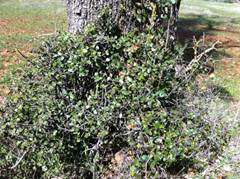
<point x="87" y="97"/>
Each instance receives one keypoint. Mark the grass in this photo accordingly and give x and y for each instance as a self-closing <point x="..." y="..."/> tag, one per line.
<point x="25" y="20"/>
<point x="217" y="21"/>
<point x="227" y="13"/>
<point x="23" y="25"/>
<point x="1" y="64"/>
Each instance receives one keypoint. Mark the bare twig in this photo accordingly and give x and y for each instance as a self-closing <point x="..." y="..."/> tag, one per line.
<point x="190" y="66"/>
<point x="24" y="56"/>
<point x="238" y="112"/>
<point x="19" y="160"/>
<point x="200" y="56"/>
<point x="168" y="31"/>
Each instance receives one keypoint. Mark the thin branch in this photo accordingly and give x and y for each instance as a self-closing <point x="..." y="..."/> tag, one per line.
<point x="19" y="160"/>
<point x="200" y="56"/>
<point x="24" y="56"/>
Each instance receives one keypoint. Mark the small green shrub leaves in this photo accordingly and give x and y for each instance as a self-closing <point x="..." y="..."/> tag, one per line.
<point x="87" y="97"/>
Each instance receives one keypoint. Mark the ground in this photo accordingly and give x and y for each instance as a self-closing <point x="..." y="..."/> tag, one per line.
<point x="216" y="21"/>
<point x="24" y="24"/>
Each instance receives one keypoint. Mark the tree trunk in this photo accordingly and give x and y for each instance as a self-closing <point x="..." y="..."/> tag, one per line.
<point x="82" y="12"/>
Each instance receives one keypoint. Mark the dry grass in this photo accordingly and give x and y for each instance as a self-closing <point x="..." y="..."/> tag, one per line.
<point x="21" y="26"/>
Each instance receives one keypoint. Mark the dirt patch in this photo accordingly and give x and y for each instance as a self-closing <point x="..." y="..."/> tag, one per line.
<point x="233" y="53"/>
<point x="5" y="53"/>
<point x="229" y="68"/>
<point x="119" y="166"/>
<point x="226" y="29"/>
<point x="226" y="42"/>
<point x="3" y="22"/>
<point x="229" y="37"/>
<point x="8" y="58"/>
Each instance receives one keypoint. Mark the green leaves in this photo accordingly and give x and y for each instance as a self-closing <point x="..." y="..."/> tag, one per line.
<point x="86" y="97"/>
<point x="161" y="93"/>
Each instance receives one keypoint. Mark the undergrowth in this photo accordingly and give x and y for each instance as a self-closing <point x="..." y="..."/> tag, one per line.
<point x="87" y="97"/>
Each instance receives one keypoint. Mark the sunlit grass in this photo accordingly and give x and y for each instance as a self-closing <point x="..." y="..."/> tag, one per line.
<point x="24" y="24"/>
<point x="220" y="21"/>
<point x="25" y="19"/>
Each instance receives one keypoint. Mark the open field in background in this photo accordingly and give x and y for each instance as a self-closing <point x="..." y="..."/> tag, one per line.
<point x="216" y="21"/>
<point x="23" y="25"/>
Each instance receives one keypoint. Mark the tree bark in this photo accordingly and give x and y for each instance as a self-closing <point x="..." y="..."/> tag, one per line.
<point x="83" y="12"/>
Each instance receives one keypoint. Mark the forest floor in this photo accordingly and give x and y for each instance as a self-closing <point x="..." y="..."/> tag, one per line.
<point x="24" y="24"/>
<point x="216" y="21"/>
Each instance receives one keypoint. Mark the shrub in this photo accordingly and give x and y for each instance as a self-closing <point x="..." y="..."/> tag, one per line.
<point x="87" y="97"/>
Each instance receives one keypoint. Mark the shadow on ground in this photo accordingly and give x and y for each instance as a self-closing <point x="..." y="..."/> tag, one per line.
<point x="197" y="26"/>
